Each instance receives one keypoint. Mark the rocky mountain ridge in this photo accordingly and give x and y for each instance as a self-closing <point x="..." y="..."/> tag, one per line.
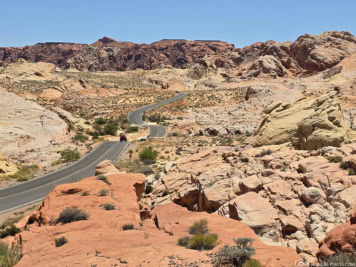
<point x="308" y="54"/>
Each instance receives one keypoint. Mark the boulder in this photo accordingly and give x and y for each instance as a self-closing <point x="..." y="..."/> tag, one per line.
<point x="313" y="195"/>
<point x="269" y="65"/>
<point x="255" y="211"/>
<point x="106" y="167"/>
<point x="308" y="124"/>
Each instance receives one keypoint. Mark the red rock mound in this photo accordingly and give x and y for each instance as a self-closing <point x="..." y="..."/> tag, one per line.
<point x="101" y="241"/>
<point x="341" y="238"/>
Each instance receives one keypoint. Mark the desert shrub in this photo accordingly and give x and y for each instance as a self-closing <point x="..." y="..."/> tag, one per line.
<point x="184" y="241"/>
<point x="351" y="171"/>
<point x="25" y="173"/>
<point x="85" y="193"/>
<point x="345" y="165"/>
<point x="252" y="263"/>
<point x="9" y="256"/>
<point x="103" y="192"/>
<point x="201" y="238"/>
<point x="338" y="259"/>
<point x="132" y="129"/>
<point x="80" y="137"/>
<point x="100" y="121"/>
<point x="68" y="155"/>
<point x="335" y="159"/>
<point x="110" y="128"/>
<point x="104" y="179"/>
<point x="148" y="155"/>
<point x="205" y="241"/>
<point x="235" y="255"/>
<point x="148" y="189"/>
<point x="199" y="227"/>
<point x="72" y="214"/>
<point x="266" y="152"/>
<point x="128" y="227"/>
<point x="108" y="206"/>
<point x="60" y="241"/>
<point x="12" y="230"/>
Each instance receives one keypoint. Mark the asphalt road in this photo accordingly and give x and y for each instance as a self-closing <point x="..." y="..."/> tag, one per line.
<point x="36" y="189"/>
<point x="135" y="117"/>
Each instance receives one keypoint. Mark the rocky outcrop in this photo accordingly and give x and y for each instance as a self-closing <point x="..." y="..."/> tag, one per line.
<point x="6" y="167"/>
<point x="308" y="54"/>
<point x="286" y="196"/>
<point x="29" y="132"/>
<point x="106" y="167"/>
<point x="100" y="240"/>
<point x="108" y="54"/>
<point x="307" y="124"/>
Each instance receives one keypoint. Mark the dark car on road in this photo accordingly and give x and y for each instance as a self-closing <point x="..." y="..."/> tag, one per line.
<point x="123" y="138"/>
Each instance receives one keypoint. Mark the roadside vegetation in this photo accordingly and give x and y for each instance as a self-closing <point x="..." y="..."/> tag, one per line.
<point x="9" y="255"/>
<point x="25" y="173"/>
<point x="148" y="155"/>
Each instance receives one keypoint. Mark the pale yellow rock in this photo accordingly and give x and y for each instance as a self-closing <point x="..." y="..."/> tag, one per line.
<point x="308" y="124"/>
<point x="6" y="167"/>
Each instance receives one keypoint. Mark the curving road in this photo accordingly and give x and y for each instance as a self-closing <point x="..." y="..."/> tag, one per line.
<point x="135" y="117"/>
<point x="36" y="189"/>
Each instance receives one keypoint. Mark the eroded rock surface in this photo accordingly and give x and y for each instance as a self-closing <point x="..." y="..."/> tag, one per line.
<point x="101" y="241"/>
<point x="308" y="124"/>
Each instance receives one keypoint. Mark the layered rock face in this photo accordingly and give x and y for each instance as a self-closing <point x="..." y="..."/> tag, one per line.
<point x="27" y="127"/>
<point x="308" y="124"/>
<point x="101" y="241"/>
<point x="308" y="54"/>
<point x="286" y="196"/>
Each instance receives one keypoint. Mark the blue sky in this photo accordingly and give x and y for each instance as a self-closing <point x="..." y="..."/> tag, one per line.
<point x="239" y="22"/>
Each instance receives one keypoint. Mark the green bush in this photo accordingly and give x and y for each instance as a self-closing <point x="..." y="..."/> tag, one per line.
<point x="25" y="173"/>
<point x="108" y="206"/>
<point x="103" y="192"/>
<point x="235" y="255"/>
<point x="184" y="241"/>
<point x="72" y="214"/>
<point x="252" y="263"/>
<point x="132" y="129"/>
<point x="9" y="256"/>
<point x="148" y="155"/>
<point x="335" y="159"/>
<point x="338" y="259"/>
<point x="100" y="121"/>
<point x="68" y="155"/>
<point x="104" y="179"/>
<point x="85" y="193"/>
<point x="205" y="241"/>
<point x="12" y="230"/>
<point x="128" y="227"/>
<point x="110" y="128"/>
<point x="60" y="241"/>
<point x="199" y="227"/>
<point x="80" y="137"/>
<point x="351" y="171"/>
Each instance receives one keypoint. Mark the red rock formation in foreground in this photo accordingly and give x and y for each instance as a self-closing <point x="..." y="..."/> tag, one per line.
<point x="341" y="238"/>
<point x="100" y="241"/>
<point x="308" y="54"/>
